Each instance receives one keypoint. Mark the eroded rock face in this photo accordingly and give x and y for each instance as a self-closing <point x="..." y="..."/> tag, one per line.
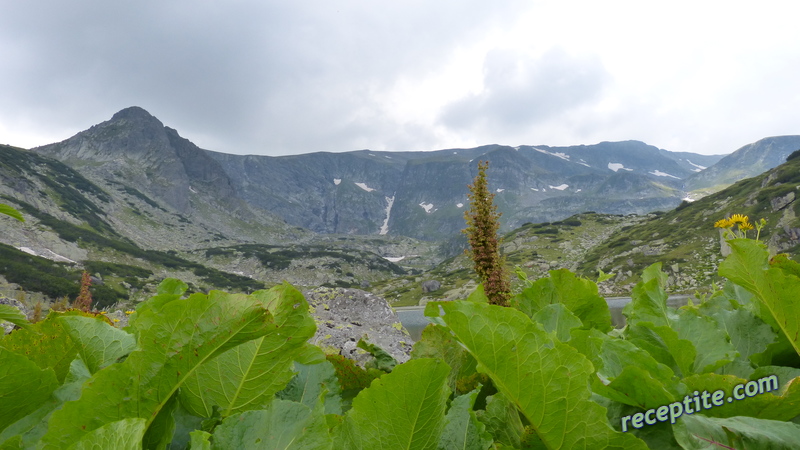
<point x="430" y="286"/>
<point x="344" y="316"/>
<point x="8" y="326"/>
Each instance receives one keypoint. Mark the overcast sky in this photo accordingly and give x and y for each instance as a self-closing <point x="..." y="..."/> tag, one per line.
<point x="285" y="77"/>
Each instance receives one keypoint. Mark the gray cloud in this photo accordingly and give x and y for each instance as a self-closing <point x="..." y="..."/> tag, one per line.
<point x="520" y="92"/>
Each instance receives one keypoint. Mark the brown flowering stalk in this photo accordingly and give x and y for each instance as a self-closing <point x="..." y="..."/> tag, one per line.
<point x="482" y="226"/>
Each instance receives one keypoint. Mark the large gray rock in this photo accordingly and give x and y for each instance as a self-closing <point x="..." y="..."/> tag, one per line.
<point x="8" y="326"/>
<point x="430" y="286"/>
<point x="344" y="316"/>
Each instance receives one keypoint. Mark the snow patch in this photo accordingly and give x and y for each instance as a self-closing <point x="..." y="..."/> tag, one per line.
<point x="47" y="253"/>
<point x="659" y="173"/>
<point x="428" y="207"/>
<point x="560" y="187"/>
<point x="191" y="189"/>
<point x="583" y="163"/>
<point x="617" y="166"/>
<point x="578" y="190"/>
<point x="500" y="190"/>
<point x="336" y="181"/>
<point x="561" y="155"/>
<point x="387" y="157"/>
<point x="455" y="153"/>
<point x="385" y="226"/>
<point x="364" y="187"/>
<point x="394" y="258"/>
<point x="697" y="165"/>
<point x="534" y="189"/>
<point x="688" y="199"/>
<point x="459" y="205"/>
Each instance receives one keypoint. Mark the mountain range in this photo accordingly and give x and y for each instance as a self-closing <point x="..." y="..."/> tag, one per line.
<point x="131" y="191"/>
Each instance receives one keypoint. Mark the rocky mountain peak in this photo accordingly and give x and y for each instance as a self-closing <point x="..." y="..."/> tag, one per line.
<point x="135" y="113"/>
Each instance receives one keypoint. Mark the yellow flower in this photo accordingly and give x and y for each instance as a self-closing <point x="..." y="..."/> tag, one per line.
<point x="102" y="312"/>
<point x="129" y="312"/>
<point x="116" y="320"/>
<point x="745" y="226"/>
<point x="738" y="218"/>
<point x="723" y="223"/>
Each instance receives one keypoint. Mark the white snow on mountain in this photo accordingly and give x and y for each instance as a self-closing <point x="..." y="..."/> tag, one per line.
<point x="534" y="189"/>
<point x="385" y="226"/>
<point x="336" y="181"/>
<point x="697" y="165"/>
<point x="659" y="173"/>
<point x="617" y="166"/>
<point x="561" y="155"/>
<point x="428" y="207"/>
<point x="500" y="190"/>
<point x="560" y="187"/>
<point x="459" y="205"/>
<point x="394" y="258"/>
<point x="47" y="253"/>
<point x="364" y="187"/>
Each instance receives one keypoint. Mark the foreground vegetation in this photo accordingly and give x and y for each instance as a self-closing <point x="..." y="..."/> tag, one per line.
<point x="224" y="370"/>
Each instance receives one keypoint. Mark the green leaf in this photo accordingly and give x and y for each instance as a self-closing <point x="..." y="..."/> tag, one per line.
<point x="200" y="440"/>
<point x="172" y="343"/>
<point x="462" y="430"/>
<point x="557" y="319"/>
<point x="247" y="376"/>
<point x="776" y="288"/>
<point x="381" y="360"/>
<point x="627" y="373"/>
<point x="545" y="379"/>
<point x="740" y="433"/>
<point x="711" y="343"/>
<point x="767" y="405"/>
<point x="32" y="427"/>
<point x="663" y="343"/>
<point x="649" y="304"/>
<point x="311" y="383"/>
<point x="46" y="343"/>
<point x="99" y="344"/>
<point x="749" y="335"/>
<point x="11" y="314"/>
<point x="162" y="428"/>
<point x="401" y="410"/>
<point x="502" y="420"/>
<point x="437" y="342"/>
<point x="9" y="211"/>
<point x="283" y="425"/>
<point x="169" y="290"/>
<point x="579" y="295"/>
<point x="24" y="386"/>
<point x="123" y="434"/>
<point x="478" y="295"/>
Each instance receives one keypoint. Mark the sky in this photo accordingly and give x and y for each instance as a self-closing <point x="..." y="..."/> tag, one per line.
<point x="287" y="77"/>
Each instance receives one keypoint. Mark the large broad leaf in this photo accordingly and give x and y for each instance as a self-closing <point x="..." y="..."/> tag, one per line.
<point x="246" y="377"/>
<point x="462" y="430"/>
<point x="502" y="420"/>
<point x="777" y="289"/>
<point x="401" y="410"/>
<point x="24" y="387"/>
<point x="773" y="403"/>
<point x="625" y="372"/>
<point x="123" y="434"/>
<point x="11" y="314"/>
<point x="437" y="342"/>
<point x="649" y="300"/>
<point x="749" y="335"/>
<point x="741" y="433"/>
<point x="173" y="341"/>
<point x="663" y="343"/>
<point x="32" y="427"/>
<point x="99" y="344"/>
<point x="545" y="379"/>
<point x="46" y="343"/>
<point x="579" y="295"/>
<point x="557" y="319"/>
<point x="313" y="382"/>
<point x="713" y="348"/>
<point x="283" y="425"/>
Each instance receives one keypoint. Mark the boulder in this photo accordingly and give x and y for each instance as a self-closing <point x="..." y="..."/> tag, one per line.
<point x="8" y="326"/>
<point x="779" y="203"/>
<point x="344" y="316"/>
<point x="430" y="286"/>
